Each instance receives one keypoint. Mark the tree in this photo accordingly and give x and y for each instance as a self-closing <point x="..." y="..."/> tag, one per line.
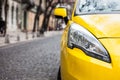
<point x="36" y="19"/>
<point x="49" y="7"/>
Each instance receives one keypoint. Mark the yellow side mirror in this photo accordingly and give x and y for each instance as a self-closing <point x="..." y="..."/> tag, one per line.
<point x="60" y="12"/>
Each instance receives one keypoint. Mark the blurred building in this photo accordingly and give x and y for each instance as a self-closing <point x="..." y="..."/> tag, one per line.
<point x="12" y="14"/>
<point x="20" y="14"/>
<point x="26" y="13"/>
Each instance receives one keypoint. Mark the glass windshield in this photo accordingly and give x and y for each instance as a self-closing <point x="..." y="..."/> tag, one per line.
<point x="97" y="6"/>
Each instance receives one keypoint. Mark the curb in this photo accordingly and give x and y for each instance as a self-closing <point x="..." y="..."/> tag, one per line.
<point x="14" y="38"/>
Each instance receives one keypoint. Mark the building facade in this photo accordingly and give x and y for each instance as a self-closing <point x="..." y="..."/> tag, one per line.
<point x="18" y="17"/>
<point x="12" y="14"/>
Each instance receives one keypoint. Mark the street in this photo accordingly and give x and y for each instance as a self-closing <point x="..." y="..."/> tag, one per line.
<point x="32" y="60"/>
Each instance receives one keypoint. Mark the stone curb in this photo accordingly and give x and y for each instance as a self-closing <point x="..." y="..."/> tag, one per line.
<point x="13" y="38"/>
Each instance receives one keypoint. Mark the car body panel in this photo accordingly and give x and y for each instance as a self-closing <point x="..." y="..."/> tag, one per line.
<point x="101" y="25"/>
<point x="76" y="65"/>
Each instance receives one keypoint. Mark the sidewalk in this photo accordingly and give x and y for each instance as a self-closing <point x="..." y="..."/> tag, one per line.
<point x="13" y="37"/>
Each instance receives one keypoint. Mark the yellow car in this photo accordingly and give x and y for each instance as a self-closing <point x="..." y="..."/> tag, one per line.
<point x="90" y="45"/>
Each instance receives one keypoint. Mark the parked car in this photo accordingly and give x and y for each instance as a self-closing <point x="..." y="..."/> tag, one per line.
<point x="59" y="27"/>
<point x="90" y="45"/>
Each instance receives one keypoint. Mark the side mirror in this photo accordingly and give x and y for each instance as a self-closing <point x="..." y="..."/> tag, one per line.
<point x="61" y="13"/>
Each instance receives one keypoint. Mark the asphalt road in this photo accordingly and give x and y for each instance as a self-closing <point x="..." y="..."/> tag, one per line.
<point x="33" y="60"/>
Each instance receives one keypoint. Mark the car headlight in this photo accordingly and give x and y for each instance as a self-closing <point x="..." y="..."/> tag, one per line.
<point x="81" y="38"/>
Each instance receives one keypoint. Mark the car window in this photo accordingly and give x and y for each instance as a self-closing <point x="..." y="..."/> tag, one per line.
<point x="97" y="6"/>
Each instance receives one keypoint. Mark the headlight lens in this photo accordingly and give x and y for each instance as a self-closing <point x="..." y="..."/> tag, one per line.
<point x="81" y="38"/>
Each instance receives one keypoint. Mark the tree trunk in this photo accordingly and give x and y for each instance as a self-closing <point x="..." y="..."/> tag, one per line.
<point x="34" y="26"/>
<point x="36" y="19"/>
<point x="49" y="6"/>
<point x="46" y="20"/>
<point x="36" y="23"/>
<point x="43" y="27"/>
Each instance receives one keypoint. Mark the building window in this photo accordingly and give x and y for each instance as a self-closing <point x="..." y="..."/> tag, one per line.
<point x="12" y="13"/>
<point x="17" y="14"/>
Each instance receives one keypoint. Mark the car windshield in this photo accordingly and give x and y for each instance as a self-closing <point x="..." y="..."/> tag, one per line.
<point x="97" y="6"/>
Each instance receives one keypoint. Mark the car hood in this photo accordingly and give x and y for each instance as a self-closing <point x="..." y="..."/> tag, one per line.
<point x="101" y="25"/>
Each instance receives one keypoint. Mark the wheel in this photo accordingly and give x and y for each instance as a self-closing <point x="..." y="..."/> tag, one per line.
<point x="59" y="75"/>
